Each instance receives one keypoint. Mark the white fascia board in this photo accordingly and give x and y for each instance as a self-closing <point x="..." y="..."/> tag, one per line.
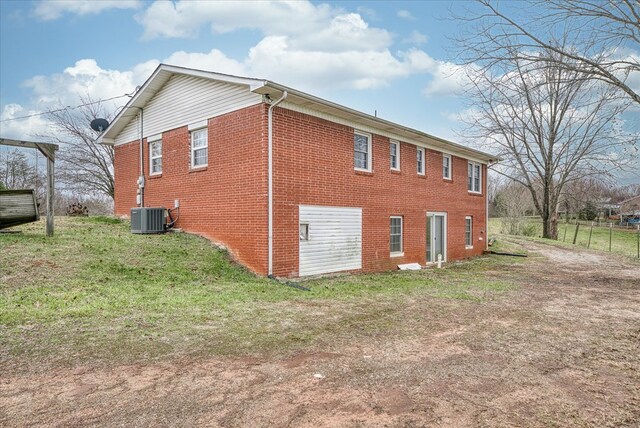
<point x="212" y="75"/>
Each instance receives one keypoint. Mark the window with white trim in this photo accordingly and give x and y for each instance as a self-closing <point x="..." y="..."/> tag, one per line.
<point x="468" y="232"/>
<point x="420" y="160"/>
<point x="474" y="180"/>
<point x="395" y="237"/>
<point x="155" y="157"/>
<point x="199" y="148"/>
<point x="362" y="151"/>
<point x="446" y="166"/>
<point x="394" y="147"/>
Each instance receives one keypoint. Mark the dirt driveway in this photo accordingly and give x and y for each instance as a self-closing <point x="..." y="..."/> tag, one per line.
<point x="561" y="350"/>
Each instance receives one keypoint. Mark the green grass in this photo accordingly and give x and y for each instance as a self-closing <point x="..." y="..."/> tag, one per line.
<point x="95" y="291"/>
<point x="623" y="241"/>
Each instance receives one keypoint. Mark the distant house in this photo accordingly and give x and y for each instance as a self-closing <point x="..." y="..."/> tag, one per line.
<point x="630" y="207"/>
<point x="292" y="184"/>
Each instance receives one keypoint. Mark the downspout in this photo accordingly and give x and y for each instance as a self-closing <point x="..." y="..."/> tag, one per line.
<point x="270" y="178"/>
<point x="141" y="178"/>
<point x="486" y="215"/>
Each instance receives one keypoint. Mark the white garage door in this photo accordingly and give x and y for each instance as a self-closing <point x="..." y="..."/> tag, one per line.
<point x="334" y="239"/>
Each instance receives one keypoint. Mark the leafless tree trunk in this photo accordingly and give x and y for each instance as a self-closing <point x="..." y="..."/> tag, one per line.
<point x="82" y="165"/>
<point x="551" y="125"/>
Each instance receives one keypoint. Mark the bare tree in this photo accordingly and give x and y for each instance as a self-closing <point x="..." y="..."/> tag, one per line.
<point x="603" y="45"/>
<point x="513" y="201"/>
<point x="82" y="165"/>
<point x="15" y="170"/>
<point x="552" y="125"/>
<point x="18" y="171"/>
<point x="580" y="193"/>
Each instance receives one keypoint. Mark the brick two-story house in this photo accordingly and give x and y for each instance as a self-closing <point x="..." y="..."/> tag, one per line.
<point x="292" y="184"/>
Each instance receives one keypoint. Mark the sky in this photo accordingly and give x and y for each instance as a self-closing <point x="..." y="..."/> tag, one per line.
<point x="389" y="58"/>
<point x="372" y="56"/>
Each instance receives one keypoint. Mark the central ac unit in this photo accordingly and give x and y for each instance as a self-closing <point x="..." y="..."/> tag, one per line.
<point x="148" y="220"/>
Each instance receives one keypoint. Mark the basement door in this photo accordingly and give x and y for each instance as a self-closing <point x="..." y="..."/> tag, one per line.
<point x="436" y="236"/>
<point x="330" y="239"/>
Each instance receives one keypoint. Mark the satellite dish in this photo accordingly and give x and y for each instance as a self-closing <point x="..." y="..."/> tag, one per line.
<point x="99" y="125"/>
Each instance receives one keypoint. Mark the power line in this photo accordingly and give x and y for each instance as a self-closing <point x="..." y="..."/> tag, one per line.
<point x="64" y="109"/>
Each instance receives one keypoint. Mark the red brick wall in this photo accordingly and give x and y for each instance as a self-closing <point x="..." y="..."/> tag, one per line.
<point x="313" y="165"/>
<point x="225" y="201"/>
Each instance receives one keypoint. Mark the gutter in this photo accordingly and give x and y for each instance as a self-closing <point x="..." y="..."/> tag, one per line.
<point x="270" y="178"/>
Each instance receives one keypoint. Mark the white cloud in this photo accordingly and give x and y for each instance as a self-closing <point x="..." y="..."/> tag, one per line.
<point x="22" y="129"/>
<point x="405" y="14"/>
<point x="368" y="12"/>
<point x="304" y="45"/>
<point x="273" y="58"/>
<point x="48" y="10"/>
<point x="185" y="18"/>
<point x="215" y="60"/>
<point x="447" y="79"/>
<point x="84" y="78"/>
<point x="307" y="46"/>
<point x="416" y="38"/>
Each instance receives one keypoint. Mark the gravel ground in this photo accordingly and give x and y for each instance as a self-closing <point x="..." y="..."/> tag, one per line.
<point x="563" y="349"/>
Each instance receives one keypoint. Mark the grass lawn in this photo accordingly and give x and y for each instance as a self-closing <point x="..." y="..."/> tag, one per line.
<point x="97" y="292"/>
<point x="100" y="327"/>
<point x="623" y="241"/>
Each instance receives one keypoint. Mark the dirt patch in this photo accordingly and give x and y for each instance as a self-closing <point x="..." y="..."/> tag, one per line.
<point x="561" y="350"/>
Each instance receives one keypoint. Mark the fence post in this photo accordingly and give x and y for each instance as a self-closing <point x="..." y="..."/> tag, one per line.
<point x="575" y="235"/>
<point x="590" y="232"/>
<point x="638" y="236"/>
<point x="564" y="238"/>
<point x="610" y="231"/>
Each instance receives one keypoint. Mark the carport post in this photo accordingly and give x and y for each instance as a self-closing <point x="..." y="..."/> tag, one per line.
<point x="50" y="187"/>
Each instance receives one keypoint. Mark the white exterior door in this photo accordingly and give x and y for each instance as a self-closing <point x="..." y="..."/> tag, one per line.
<point x="436" y="237"/>
<point x="330" y="239"/>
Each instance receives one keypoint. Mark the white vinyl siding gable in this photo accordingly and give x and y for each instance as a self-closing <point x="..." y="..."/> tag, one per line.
<point x="186" y="99"/>
<point x="155" y="157"/>
<point x="362" y="151"/>
<point x="334" y="239"/>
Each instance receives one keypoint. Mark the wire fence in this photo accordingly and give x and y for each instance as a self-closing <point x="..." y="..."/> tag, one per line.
<point x="612" y="237"/>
